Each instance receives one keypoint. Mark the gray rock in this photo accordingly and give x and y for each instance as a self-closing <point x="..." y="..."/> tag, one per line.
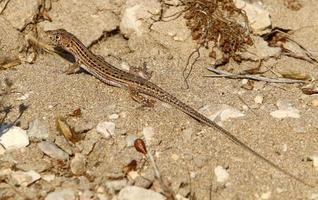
<point x="66" y="194"/>
<point x="88" y="20"/>
<point x="78" y="164"/>
<point x="148" y="133"/>
<point x="38" y="129"/>
<point x="285" y="110"/>
<point x="133" y="193"/>
<point x="116" y="185"/>
<point x="27" y="9"/>
<point x="52" y="150"/>
<point x="107" y="129"/>
<point x="25" y="178"/>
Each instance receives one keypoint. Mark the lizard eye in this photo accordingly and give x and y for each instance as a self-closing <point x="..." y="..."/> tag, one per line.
<point x="57" y="37"/>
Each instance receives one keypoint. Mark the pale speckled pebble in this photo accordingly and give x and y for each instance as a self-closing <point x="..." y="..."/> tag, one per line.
<point x="107" y="129"/>
<point x="25" y="178"/>
<point x="52" y="150"/>
<point x="148" y="133"/>
<point x="221" y="174"/>
<point x="14" y="138"/>
<point x="38" y="129"/>
<point x="78" y="164"/>
<point x="130" y="139"/>
<point x="134" y="193"/>
<point x="113" y="116"/>
<point x="66" y="194"/>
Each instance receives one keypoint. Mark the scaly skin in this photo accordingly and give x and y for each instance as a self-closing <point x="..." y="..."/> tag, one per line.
<point x="137" y="85"/>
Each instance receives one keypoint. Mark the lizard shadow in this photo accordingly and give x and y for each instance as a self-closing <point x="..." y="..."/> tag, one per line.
<point x="69" y="57"/>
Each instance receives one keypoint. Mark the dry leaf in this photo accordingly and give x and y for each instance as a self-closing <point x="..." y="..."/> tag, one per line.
<point x="309" y="89"/>
<point x="132" y="166"/>
<point x="295" y="75"/>
<point x="65" y="130"/>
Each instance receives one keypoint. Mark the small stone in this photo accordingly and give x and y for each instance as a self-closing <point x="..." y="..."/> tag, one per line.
<point x="258" y="17"/>
<point x="244" y="81"/>
<point x="133" y="193"/>
<point x="113" y="116"/>
<point x="225" y="112"/>
<point x="38" y="130"/>
<point x="266" y="195"/>
<point x="175" y="157"/>
<point x="78" y="164"/>
<point x="315" y="160"/>
<point x="23" y="97"/>
<point x="14" y="138"/>
<point x="66" y="194"/>
<point x="148" y="133"/>
<point x="132" y="175"/>
<point x="107" y="129"/>
<point x="258" y="99"/>
<point x="285" y="148"/>
<point x="130" y="140"/>
<point x="313" y="196"/>
<point x="193" y="175"/>
<point x="25" y="178"/>
<point x="116" y="185"/>
<point x="2" y="150"/>
<point x="285" y="110"/>
<point x="314" y="103"/>
<point x="52" y="150"/>
<point x="221" y="174"/>
<point x="48" y="177"/>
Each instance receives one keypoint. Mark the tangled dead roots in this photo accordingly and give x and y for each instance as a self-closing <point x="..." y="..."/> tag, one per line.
<point x="221" y="22"/>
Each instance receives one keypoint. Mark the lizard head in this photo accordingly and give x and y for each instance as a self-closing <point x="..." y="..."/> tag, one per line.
<point x="61" y="38"/>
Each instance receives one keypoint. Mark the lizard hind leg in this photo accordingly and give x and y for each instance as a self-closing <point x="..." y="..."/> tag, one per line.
<point x="144" y="101"/>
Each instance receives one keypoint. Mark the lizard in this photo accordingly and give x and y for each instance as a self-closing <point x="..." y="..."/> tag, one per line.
<point x="139" y="86"/>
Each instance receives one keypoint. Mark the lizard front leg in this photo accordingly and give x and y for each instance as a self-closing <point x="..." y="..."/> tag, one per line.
<point x="72" y="68"/>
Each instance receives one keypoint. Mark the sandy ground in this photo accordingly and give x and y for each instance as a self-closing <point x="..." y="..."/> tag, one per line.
<point x="182" y="144"/>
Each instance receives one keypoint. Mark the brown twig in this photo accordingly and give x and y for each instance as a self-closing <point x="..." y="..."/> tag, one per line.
<point x="225" y="74"/>
<point x="5" y="6"/>
<point x="186" y="75"/>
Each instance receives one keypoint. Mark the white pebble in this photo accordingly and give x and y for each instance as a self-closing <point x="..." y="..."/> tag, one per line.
<point x="258" y="99"/>
<point x="25" y="178"/>
<point x="130" y="140"/>
<point x="113" y="116"/>
<point x="244" y="81"/>
<point x="285" y="110"/>
<point x="107" y="129"/>
<point x="266" y="195"/>
<point x="2" y="150"/>
<point x="116" y="185"/>
<point x="134" y="192"/>
<point x="226" y="112"/>
<point x="221" y="174"/>
<point x="66" y="194"/>
<point x="14" y="138"/>
<point x="48" y="177"/>
<point x="148" y="133"/>
<point x="78" y="164"/>
<point x="315" y="160"/>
